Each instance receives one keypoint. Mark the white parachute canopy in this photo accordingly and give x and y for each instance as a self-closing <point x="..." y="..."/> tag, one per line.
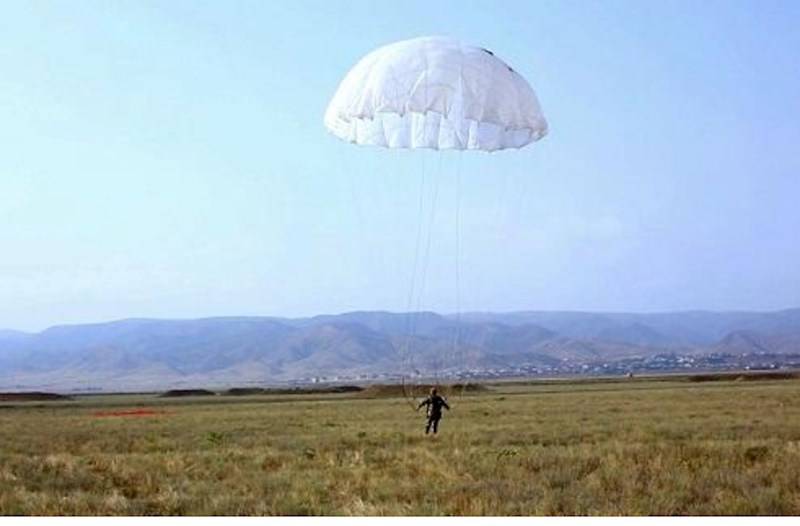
<point x="435" y="92"/>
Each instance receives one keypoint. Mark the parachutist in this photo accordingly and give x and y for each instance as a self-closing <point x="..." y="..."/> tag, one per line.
<point x="434" y="404"/>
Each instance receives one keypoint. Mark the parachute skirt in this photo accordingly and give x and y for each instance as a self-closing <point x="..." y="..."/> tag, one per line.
<point x="431" y="130"/>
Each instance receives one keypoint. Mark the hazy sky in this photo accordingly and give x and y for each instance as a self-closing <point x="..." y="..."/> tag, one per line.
<point x="168" y="159"/>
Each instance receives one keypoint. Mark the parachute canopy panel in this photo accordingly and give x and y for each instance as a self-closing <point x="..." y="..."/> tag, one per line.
<point x="435" y="92"/>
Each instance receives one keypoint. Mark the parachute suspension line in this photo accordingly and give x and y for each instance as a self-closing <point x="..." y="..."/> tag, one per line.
<point x="414" y="312"/>
<point x="417" y="293"/>
<point x="459" y="358"/>
<point x="408" y="365"/>
<point x="417" y="243"/>
<point x="426" y="258"/>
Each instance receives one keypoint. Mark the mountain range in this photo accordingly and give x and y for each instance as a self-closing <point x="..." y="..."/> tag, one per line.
<point x="137" y="354"/>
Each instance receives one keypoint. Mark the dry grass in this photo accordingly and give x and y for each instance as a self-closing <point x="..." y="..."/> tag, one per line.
<point x="653" y="448"/>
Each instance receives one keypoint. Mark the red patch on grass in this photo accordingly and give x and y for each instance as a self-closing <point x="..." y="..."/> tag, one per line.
<point x="131" y="412"/>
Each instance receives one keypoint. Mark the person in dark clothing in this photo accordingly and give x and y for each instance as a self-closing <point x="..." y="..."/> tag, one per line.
<point x="434" y="403"/>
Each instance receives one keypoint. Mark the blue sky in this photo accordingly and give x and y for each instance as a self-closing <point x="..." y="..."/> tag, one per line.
<point x="168" y="159"/>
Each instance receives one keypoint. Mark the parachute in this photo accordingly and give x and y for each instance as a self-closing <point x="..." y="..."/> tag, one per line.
<point x="435" y="92"/>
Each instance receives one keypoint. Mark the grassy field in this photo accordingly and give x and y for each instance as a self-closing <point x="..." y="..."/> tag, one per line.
<point x="637" y="447"/>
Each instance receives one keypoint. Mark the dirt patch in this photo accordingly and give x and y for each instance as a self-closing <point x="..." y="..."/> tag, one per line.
<point x="744" y="377"/>
<point x="33" y="396"/>
<point x="245" y="391"/>
<point x="174" y="393"/>
<point x="131" y="413"/>
<point x="418" y="390"/>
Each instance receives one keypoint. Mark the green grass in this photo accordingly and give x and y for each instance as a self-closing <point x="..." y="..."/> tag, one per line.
<point x="567" y="448"/>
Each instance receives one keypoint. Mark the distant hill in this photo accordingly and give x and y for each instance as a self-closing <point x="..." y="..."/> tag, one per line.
<point x="695" y="328"/>
<point x="236" y="351"/>
<point x="11" y="335"/>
